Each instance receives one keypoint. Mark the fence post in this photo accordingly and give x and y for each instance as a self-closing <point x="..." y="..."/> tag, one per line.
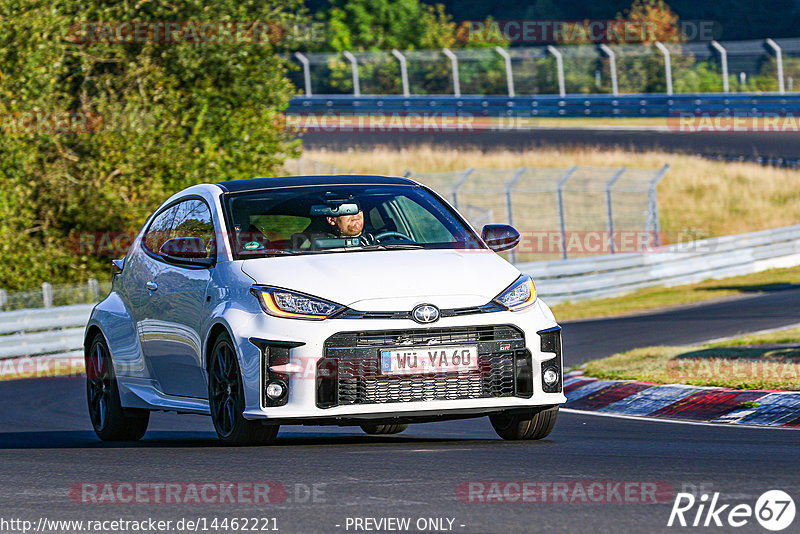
<point x="47" y="294"/>
<point x="612" y="63"/>
<point x="509" y="208"/>
<point x="459" y="183"/>
<point x="454" y="63"/>
<point x="306" y="71"/>
<point x="778" y="54"/>
<point x="667" y="65"/>
<point x="723" y="56"/>
<point x="94" y="289"/>
<point x="354" y="68"/>
<point x="3" y="298"/>
<point x="403" y="71"/>
<point x="560" y="68"/>
<point x="560" y="197"/>
<point x="652" y="204"/>
<point x="609" y="210"/>
<point x="509" y="71"/>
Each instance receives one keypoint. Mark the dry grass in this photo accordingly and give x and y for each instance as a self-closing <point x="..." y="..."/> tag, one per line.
<point x="763" y="361"/>
<point x="697" y="198"/>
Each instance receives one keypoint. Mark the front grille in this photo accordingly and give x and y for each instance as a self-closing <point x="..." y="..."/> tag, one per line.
<point x="348" y="313"/>
<point x="358" y="380"/>
<point x="344" y="343"/>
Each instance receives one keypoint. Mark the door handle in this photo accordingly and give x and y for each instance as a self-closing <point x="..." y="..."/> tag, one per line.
<point x="151" y="286"/>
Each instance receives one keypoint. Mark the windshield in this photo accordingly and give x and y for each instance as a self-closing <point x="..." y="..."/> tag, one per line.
<point x="342" y="218"/>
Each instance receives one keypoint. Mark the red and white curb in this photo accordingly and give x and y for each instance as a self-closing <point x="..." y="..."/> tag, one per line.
<point x="681" y="402"/>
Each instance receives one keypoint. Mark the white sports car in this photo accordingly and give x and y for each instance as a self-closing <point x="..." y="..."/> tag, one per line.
<point x="320" y="300"/>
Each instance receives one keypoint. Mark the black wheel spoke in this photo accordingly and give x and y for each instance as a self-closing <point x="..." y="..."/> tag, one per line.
<point x="108" y="416"/>
<point x="229" y="413"/>
<point x="98" y="384"/>
<point x="216" y="374"/>
<point x="230" y="368"/>
<point x="224" y="389"/>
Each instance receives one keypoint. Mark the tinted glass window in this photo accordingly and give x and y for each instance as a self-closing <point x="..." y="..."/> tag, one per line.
<point x="159" y="230"/>
<point x="342" y="218"/>
<point x="187" y="219"/>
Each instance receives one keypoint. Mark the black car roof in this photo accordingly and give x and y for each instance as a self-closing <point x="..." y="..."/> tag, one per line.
<point x="252" y="184"/>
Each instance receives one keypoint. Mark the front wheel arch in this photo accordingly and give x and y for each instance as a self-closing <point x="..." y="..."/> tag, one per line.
<point x="216" y="330"/>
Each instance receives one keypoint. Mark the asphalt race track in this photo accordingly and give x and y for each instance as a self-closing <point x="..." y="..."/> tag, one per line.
<point x="771" y="145"/>
<point x="47" y="447"/>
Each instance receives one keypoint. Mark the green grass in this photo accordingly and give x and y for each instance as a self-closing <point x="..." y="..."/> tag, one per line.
<point x="659" y="297"/>
<point x="761" y="361"/>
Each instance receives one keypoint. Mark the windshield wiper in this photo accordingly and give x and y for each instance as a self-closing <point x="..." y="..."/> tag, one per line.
<point x="267" y="253"/>
<point x="396" y="246"/>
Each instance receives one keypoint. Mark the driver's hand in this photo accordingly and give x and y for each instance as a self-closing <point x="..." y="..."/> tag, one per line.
<point x="366" y="239"/>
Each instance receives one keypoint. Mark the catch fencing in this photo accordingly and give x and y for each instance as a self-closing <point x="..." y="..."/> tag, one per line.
<point x="551" y="207"/>
<point x="770" y="65"/>
<point x="48" y="296"/>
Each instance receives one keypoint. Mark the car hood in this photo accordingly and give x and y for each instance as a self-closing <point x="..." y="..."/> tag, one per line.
<point x="390" y="280"/>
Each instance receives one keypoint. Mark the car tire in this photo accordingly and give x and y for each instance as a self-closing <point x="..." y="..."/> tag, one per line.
<point x="226" y="399"/>
<point x="111" y="422"/>
<point x="383" y="429"/>
<point x="536" y="424"/>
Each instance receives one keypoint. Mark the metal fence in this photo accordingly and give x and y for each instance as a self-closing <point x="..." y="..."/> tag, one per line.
<point x="771" y="65"/>
<point x="48" y="295"/>
<point x="550" y="206"/>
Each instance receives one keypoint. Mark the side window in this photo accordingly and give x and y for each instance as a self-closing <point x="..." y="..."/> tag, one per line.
<point x="159" y="230"/>
<point x="190" y="218"/>
<point x="424" y="225"/>
<point x="193" y="219"/>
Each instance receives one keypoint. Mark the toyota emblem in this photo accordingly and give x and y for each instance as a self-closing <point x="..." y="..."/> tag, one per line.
<point x="425" y="313"/>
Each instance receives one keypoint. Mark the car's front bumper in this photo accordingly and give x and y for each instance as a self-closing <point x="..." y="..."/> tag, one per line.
<point x="307" y="339"/>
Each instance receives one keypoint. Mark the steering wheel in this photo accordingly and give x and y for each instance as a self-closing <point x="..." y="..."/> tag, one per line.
<point x="399" y="235"/>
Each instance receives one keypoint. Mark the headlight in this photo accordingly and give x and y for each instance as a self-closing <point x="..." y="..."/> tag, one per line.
<point x="518" y="295"/>
<point x="284" y="303"/>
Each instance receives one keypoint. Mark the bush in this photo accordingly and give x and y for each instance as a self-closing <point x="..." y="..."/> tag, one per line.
<point x="148" y="119"/>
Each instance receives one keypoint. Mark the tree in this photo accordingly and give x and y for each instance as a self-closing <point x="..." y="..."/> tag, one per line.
<point x="146" y="118"/>
<point x="378" y="26"/>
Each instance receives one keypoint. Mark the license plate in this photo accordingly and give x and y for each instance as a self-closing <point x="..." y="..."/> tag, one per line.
<point x="411" y="361"/>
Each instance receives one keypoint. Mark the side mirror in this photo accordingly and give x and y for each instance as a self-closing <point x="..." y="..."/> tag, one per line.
<point x="500" y="237"/>
<point x="185" y="249"/>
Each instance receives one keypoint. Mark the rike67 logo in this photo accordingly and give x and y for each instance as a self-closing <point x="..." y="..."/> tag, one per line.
<point x="774" y="510"/>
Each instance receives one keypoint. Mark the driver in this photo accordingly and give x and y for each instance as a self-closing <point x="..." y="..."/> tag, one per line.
<point x="347" y="225"/>
<point x="332" y="227"/>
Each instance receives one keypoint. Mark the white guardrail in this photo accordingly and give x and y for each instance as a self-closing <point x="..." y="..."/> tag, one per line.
<point x="681" y="263"/>
<point x="58" y="331"/>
